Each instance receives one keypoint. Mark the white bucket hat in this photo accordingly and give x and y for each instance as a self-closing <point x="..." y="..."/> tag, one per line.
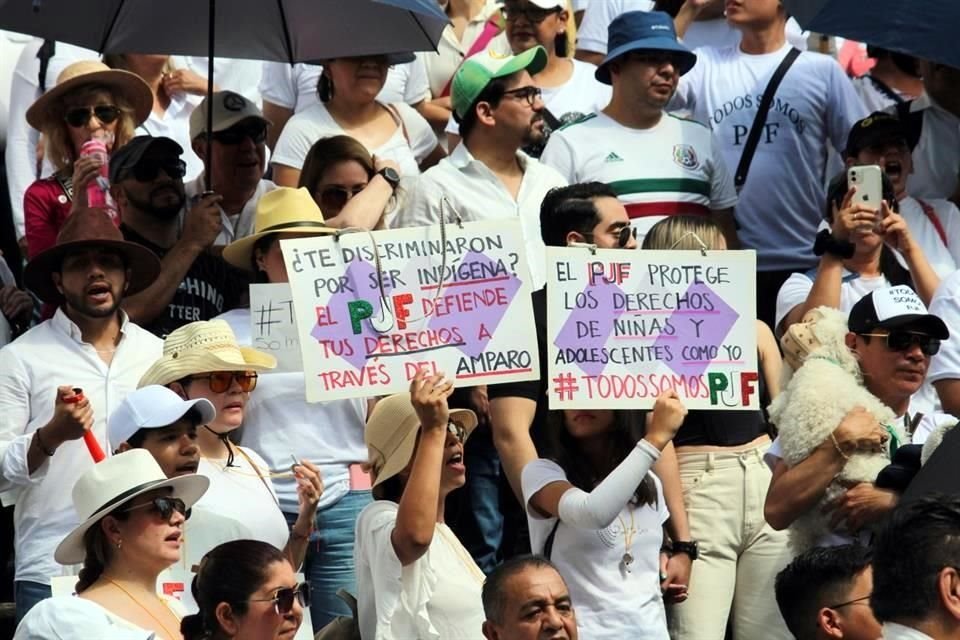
<point x="153" y="407"/>
<point x="115" y="481"/>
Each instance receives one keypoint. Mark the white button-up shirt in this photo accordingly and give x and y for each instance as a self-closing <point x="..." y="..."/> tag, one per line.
<point x="31" y="368"/>
<point x="894" y="631"/>
<point x="476" y="193"/>
<point x="236" y="226"/>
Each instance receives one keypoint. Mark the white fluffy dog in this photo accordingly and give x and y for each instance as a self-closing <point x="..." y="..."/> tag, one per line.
<point x="825" y="387"/>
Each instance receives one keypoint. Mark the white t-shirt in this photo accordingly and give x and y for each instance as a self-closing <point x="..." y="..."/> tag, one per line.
<point x="279" y="422"/>
<point x="943" y="258"/>
<point x="781" y="203"/>
<point x="437" y="597"/>
<point x="229" y="74"/>
<point x="236" y="226"/>
<point x="946" y="306"/>
<point x="936" y="158"/>
<point x="73" y="618"/>
<point x="674" y="167"/>
<point x="610" y="602"/>
<point x="315" y="122"/>
<point x="795" y="290"/>
<point x="175" y="124"/>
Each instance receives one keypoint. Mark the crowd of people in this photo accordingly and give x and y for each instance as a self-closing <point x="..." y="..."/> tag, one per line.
<point x="168" y="481"/>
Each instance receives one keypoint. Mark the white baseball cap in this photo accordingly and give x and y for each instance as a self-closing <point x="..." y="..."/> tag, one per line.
<point x="895" y="308"/>
<point x="152" y="407"/>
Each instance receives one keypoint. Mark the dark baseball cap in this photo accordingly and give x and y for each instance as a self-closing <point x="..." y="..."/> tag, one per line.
<point x="895" y="308"/>
<point x="127" y="156"/>
<point x="877" y="128"/>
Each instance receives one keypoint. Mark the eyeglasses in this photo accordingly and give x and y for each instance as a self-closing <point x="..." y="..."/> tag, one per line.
<point x="456" y="429"/>
<point x="530" y="94"/>
<point x="220" y="381"/>
<point x="163" y="506"/>
<point x="654" y="58"/>
<point x="900" y="340"/>
<point x="148" y="169"/>
<point x="283" y="598"/>
<point x="623" y="235"/>
<point x="79" y="117"/>
<point x="861" y="600"/>
<point x="239" y="132"/>
<point x="534" y="15"/>
<point x="336" y="198"/>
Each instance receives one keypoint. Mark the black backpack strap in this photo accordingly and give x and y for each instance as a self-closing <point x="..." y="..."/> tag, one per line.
<point x="912" y="122"/>
<point x="753" y="139"/>
<point x="47" y="50"/>
<point x="548" y="543"/>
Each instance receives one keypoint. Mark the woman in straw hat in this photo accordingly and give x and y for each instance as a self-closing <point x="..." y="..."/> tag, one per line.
<point x="90" y="101"/>
<point x="279" y="421"/>
<point x="131" y="528"/>
<point x="415" y="579"/>
<point x="202" y="360"/>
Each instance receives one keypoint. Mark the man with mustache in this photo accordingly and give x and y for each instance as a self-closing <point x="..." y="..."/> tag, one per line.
<point x="147" y="184"/>
<point x="659" y="165"/>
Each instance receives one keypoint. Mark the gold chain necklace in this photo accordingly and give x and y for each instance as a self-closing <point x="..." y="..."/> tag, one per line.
<point x="627" y="559"/>
<point x="166" y="630"/>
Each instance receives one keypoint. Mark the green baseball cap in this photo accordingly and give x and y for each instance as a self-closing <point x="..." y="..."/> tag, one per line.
<point x="476" y="72"/>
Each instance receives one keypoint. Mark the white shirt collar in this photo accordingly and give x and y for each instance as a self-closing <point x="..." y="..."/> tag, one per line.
<point x="461" y="158"/>
<point x="894" y="631"/>
<point x="62" y="323"/>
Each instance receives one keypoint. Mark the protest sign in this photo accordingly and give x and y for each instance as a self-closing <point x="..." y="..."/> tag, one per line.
<point x="273" y="327"/>
<point x="623" y="326"/>
<point x="373" y="308"/>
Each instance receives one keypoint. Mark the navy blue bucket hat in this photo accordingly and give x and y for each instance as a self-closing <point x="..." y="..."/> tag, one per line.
<point x="643" y="31"/>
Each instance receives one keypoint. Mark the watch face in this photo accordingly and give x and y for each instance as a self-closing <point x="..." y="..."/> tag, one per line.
<point x="390" y="174"/>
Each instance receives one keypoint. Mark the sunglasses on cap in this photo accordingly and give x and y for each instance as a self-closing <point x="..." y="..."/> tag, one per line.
<point x="534" y="15"/>
<point x="336" y="198"/>
<point x="456" y="430"/>
<point x="283" y="599"/>
<point x="148" y="169"/>
<point x="79" y="117"/>
<point x="901" y="340"/>
<point x="623" y="235"/>
<point x="164" y="507"/>
<point x="220" y="381"/>
<point x="256" y="131"/>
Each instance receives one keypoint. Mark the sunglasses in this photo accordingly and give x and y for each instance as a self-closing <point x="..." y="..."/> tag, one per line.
<point x="654" y="58"/>
<point x="623" y="235"/>
<point x="220" y="381"/>
<point x="900" y="340"/>
<point x="534" y="15"/>
<point x="148" y="169"/>
<point x="530" y="94"/>
<point x="163" y="506"/>
<point x="79" y="117"/>
<point x="861" y="600"/>
<point x="238" y="133"/>
<point x="283" y="598"/>
<point x="457" y="430"/>
<point x="336" y="198"/>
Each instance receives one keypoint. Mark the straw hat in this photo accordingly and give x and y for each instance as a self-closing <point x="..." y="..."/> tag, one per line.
<point x="88" y="228"/>
<point x="391" y="434"/>
<point x="203" y="347"/>
<point x="283" y="210"/>
<point x="92" y="72"/>
<point x="115" y="481"/>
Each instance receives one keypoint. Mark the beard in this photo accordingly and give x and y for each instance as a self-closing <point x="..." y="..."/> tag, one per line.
<point x="534" y="135"/>
<point x="78" y="302"/>
<point x="157" y="206"/>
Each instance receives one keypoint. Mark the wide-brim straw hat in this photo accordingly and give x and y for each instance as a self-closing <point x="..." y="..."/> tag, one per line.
<point x="391" y="434"/>
<point x="204" y="346"/>
<point x="129" y="86"/>
<point x="283" y="210"/>
<point x="115" y="481"/>
<point x="88" y="228"/>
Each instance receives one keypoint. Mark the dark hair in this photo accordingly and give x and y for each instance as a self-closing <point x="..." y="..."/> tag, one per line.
<point x="231" y="573"/>
<point x="492" y="93"/>
<point x="98" y="550"/>
<point x="494" y="595"/>
<point x="136" y="440"/>
<point x="390" y="489"/>
<point x="571" y="208"/>
<point x="262" y="245"/>
<point x="890" y="267"/>
<point x="920" y="540"/>
<point x="326" y="152"/>
<point x="324" y="88"/>
<point x="564" y="449"/>
<point x="817" y="578"/>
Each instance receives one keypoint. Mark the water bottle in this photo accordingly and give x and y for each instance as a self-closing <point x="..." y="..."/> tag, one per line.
<point x="98" y="189"/>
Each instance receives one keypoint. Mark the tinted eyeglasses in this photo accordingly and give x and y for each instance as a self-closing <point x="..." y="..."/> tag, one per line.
<point x="900" y="340"/>
<point x="530" y="94"/>
<point x="79" y="117"/>
<point x="457" y="430"/>
<point x="220" y="381"/>
<point x="283" y="599"/>
<point x="534" y="15"/>
<point x="164" y="507"/>
<point x="148" y="169"/>
<point x="238" y="132"/>
<point x="336" y="198"/>
<point x="623" y="235"/>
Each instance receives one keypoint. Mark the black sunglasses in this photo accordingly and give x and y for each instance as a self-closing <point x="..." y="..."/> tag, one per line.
<point x="148" y="169"/>
<point x="623" y="235"/>
<point x="283" y="598"/>
<point x="534" y="15"/>
<point x="336" y="198"/>
<point x="239" y="132"/>
<point x="163" y="506"/>
<point x="654" y="58"/>
<point x="530" y="94"/>
<point x="900" y="340"/>
<point x="79" y="117"/>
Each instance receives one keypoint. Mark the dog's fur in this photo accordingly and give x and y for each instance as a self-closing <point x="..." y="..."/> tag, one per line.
<point x="814" y="401"/>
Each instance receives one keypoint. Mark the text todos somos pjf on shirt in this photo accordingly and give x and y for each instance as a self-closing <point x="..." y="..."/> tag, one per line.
<point x="624" y="326"/>
<point x="455" y="300"/>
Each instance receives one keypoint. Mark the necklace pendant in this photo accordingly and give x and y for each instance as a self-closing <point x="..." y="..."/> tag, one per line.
<point x="627" y="560"/>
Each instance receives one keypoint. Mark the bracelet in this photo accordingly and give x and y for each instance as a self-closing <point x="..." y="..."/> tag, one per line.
<point x="47" y="452"/>
<point x="836" y="446"/>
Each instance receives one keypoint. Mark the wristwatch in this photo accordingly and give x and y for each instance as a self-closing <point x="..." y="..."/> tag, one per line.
<point x="690" y="547"/>
<point x="391" y="176"/>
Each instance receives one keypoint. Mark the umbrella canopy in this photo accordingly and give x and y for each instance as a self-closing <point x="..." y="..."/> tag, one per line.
<point x="285" y="30"/>
<point x="923" y="29"/>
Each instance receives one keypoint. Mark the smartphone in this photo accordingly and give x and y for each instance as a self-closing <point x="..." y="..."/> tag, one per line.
<point x="869" y="183"/>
